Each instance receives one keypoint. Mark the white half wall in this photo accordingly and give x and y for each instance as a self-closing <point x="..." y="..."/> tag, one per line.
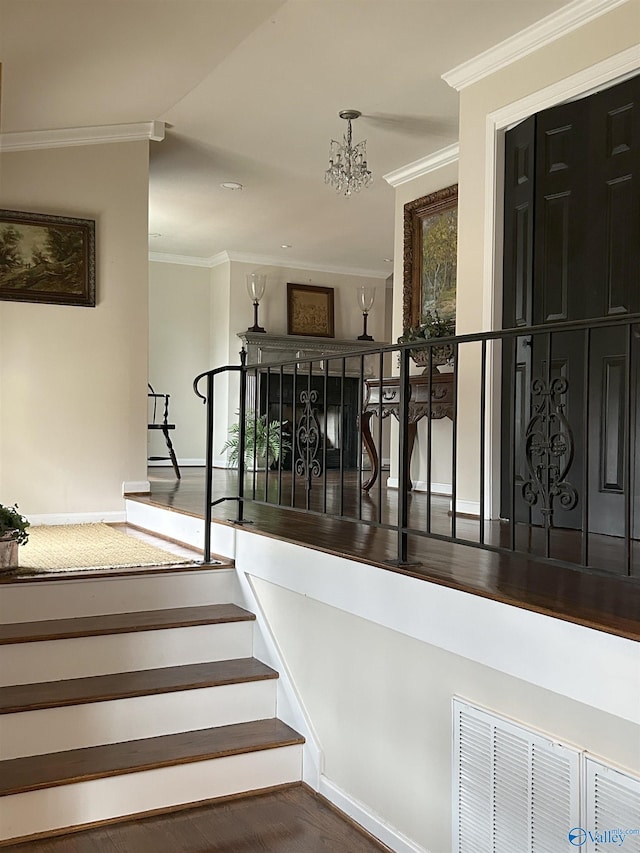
<point x="375" y="659"/>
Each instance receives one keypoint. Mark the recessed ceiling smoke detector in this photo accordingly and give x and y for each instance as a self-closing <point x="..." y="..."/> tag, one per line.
<point x="231" y="185"/>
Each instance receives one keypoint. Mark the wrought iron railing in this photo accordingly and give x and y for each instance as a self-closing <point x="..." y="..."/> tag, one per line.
<point x="541" y="448"/>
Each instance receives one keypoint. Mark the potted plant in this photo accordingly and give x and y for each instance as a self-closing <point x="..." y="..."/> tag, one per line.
<point x="264" y="443"/>
<point x="433" y="326"/>
<point x="13" y="532"/>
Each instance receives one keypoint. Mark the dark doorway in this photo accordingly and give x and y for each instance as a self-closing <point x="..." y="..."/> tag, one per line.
<point x="572" y="253"/>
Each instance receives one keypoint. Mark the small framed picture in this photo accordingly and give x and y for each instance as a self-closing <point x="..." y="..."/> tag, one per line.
<point x="47" y="258"/>
<point x="310" y="310"/>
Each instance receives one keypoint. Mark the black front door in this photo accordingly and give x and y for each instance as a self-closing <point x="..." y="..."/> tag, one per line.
<point x="572" y="252"/>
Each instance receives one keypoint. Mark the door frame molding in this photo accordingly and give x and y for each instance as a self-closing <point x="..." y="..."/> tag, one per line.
<point x="615" y="69"/>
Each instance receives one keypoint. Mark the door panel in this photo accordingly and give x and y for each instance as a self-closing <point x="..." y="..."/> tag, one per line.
<point x="561" y="221"/>
<point x="517" y="310"/>
<point x="614" y="198"/>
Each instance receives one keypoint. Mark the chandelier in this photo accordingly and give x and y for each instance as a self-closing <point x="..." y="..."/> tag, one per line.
<point x="347" y="172"/>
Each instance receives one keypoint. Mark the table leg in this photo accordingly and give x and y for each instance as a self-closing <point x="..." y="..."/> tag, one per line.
<point x="412" y="429"/>
<point x="172" y="453"/>
<point x="371" y="449"/>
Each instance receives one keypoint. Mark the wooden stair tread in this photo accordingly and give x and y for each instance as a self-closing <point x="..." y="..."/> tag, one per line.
<point x="18" y="775"/>
<point x="122" y="623"/>
<point x="122" y="685"/>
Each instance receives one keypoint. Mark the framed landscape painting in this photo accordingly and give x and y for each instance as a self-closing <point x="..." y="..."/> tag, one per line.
<point x="46" y="258"/>
<point x="430" y="256"/>
<point x="310" y="310"/>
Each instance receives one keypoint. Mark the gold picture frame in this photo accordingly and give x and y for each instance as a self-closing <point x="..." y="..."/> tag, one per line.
<point x="430" y="256"/>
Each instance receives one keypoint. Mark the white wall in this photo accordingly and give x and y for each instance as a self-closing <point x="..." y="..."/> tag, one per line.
<point x="73" y="380"/>
<point x="273" y="308"/>
<point x="179" y="331"/>
<point x="222" y="333"/>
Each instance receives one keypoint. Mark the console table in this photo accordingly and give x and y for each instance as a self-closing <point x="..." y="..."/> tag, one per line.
<point x="382" y="397"/>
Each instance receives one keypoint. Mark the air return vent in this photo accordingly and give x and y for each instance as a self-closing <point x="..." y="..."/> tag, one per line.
<point x="612" y="813"/>
<point x="514" y="789"/>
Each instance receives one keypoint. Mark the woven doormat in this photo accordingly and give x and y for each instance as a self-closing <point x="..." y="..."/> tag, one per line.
<point x="80" y="547"/>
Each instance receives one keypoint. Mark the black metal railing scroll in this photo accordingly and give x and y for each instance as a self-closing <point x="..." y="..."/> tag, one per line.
<point x="519" y="440"/>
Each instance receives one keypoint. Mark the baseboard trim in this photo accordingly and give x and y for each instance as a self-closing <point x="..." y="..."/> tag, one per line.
<point x="423" y="486"/>
<point x="468" y="508"/>
<point x="136" y="487"/>
<point x="291" y="709"/>
<point x="77" y="518"/>
<point x="164" y="810"/>
<point x="367" y="819"/>
<point x="183" y="463"/>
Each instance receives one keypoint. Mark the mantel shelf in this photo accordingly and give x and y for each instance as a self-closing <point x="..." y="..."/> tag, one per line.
<point x="264" y="348"/>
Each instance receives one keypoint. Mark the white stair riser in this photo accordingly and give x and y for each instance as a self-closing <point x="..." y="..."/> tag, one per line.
<point x="67" y="599"/>
<point x="114" y="721"/>
<point x="131" y="793"/>
<point x="52" y="660"/>
<point x="181" y="527"/>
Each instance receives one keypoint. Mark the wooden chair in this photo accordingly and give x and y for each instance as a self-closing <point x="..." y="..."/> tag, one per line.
<point x="161" y="422"/>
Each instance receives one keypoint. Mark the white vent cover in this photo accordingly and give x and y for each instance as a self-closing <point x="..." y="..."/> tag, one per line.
<point x="612" y="809"/>
<point x="514" y="790"/>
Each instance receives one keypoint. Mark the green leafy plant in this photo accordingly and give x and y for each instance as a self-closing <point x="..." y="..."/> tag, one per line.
<point x="264" y="443"/>
<point x="434" y="326"/>
<point x="13" y="525"/>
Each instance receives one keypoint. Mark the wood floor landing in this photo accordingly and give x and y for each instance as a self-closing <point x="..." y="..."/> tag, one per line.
<point x="290" y="820"/>
<point x="606" y="602"/>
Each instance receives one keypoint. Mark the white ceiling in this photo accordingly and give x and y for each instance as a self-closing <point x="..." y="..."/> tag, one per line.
<point x="251" y="91"/>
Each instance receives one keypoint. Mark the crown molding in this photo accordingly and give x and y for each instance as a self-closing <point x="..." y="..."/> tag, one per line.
<point x="185" y="260"/>
<point x="293" y="264"/>
<point x="66" y="137"/>
<point x="218" y="259"/>
<point x="542" y="33"/>
<point x="430" y="163"/>
<point x="263" y="261"/>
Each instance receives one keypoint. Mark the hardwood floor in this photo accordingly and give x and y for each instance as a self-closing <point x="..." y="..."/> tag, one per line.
<point x="607" y="602"/>
<point x="291" y="820"/>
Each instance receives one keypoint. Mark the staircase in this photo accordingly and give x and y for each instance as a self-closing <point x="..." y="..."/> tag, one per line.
<point x="129" y="694"/>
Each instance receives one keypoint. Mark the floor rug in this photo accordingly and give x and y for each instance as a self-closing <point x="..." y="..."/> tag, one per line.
<point x="68" y="547"/>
